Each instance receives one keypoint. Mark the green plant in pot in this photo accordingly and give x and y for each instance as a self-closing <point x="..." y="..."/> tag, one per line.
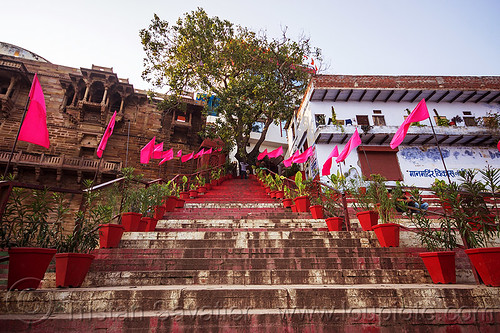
<point x="278" y="182"/>
<point x="29" y="230"/>
<point x="333" y="209"/>
<point x="73" y="258"/>
<point x="200" y="180"/>
<point x="302" y="200"/>
<point x="193" y="192"/>
<point x="387" y="232"/>
<point x="316" y="207"/>
<point x="366" y="214"/>
<point x="130" y="201"/>
<point x="288" y="196"/>
<point x="184" y="194"/>
<point x="439" y="237"/>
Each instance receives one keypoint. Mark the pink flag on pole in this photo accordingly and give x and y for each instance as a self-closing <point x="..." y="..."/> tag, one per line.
<point x="34" y="127"/>
<point x="158" y="151"/>
<point x="276" y="152"/>
<point x="208" y="152"/>
<point x="147" y="151"/>
<point x="353" y="142"/>
<point x="262" y="155"/>
<point x="198" y="154"/>
<point x="187" y="157"/>
<point x="289" y="160"/>
<point x="302" y="158"/>
<point x="418" y="114"/>
<point x="328" y="164"/>
<point x="179" y="153"/>
<point x="498" y="145"/>
<point x="167" y="156"/>
<point x="105" y="137"/>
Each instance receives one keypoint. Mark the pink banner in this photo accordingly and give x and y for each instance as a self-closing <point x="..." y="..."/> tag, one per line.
<point x="147" y="151"/>
<point x="418" y="114"/>
<point x="353" y="142"/>
<point x="105" y="137"/>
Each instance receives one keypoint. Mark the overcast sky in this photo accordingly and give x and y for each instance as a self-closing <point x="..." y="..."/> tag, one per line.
<point x="396" y="37"/>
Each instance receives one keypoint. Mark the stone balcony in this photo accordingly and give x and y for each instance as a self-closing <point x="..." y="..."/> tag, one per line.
<point x="417" y="135"/>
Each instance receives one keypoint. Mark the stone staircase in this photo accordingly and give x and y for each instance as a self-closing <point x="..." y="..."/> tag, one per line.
<point x="234" y="260"/>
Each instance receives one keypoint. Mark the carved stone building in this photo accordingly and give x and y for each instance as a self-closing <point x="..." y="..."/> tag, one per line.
<point x="80" y="102"/>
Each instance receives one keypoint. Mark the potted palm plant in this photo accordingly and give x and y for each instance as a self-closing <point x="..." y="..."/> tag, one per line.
<point x="439" y="240"/>
<point x="184" y="194"/>
<point x="30" y="235"/>
<point x="366" y="214"/>
<point x="278" y="181"/>
<point x="288" y="197"/>
<point x="73" y="259"/>
<point x="333" y="210"/>
<point x="193" y="192"/>
<point x="200" y="180"/>
<point x="387" y="232"/>
<point x="302" y="200"/>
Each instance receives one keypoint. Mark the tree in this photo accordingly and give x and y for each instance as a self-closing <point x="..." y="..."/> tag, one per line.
<point x="254" y="78"/>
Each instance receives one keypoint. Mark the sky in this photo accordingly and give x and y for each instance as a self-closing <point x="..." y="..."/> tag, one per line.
<point x="373" y="37"/>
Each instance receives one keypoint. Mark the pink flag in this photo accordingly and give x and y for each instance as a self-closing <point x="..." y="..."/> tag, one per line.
<point x="220" y="149"/>
<point x="302" y="158"/>
<point x="158" y="151"/>
<point x="198" y="154"/>
<point x="179" y="153"/>
<point x="34" y="127"/>
<point x="208" y="152"/>
<point x="498" y="145"/>
<point x="105" y="137"/>
<point x="289" y="160"/>
<point x="276" y="152"/>
<point x="262" y="155"/>
<point x="147" y="151"/>
<point x="167" y="156"/>
<point x="328" y="164"/>
<point x="353" y="142"/>
<point x="418" y="114"/>
<point x="187" y="157"/>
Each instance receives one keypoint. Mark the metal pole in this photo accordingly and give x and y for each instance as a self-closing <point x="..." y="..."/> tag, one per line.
<point x="128" y="136"/>
<point x="17" y="137"/>
<point x="440" y="153"/>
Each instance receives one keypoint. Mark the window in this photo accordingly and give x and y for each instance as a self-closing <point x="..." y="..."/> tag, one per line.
<point x="283" y="128"/>
<point x="320" y="119"/>
<point x="362" y="120"/>
<point x="470" y="121"/>
<point x="378" y="120"/>
<point x="379" y="160"/>
<point x="377" y="111"/>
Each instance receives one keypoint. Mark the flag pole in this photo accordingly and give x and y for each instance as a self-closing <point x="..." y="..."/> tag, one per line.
<point x="17" y="137"/>
<point x="366" y="158"/>
<point x="440" y="153"/>
<point x="128" y="136"/>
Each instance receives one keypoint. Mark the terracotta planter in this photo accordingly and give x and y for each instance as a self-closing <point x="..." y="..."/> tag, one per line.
<point x="367" y="219"/>
<point x="287" y="202"/>
<point x="71" y="269"/>
<point x="387" y="234"/>
<point x="440" y="265"/>
<point x="334" y="223"/>
<point x="202" y="190"/>
<point x="302" y="203"/>
<point x="486" y="261"/>
<point x="180" y="203"/>
<point x="110" y="235"/>
<point x="159" y="212"/>
<point x="294" y="208"/>
<point x="27" y="266"/>
<point x="280" y="194"/>
<point x="170" y="203"/>
<point x="184" y="195"/>
<point x="193" y="194"/>
<point x="149" y="224"/>
<point x="316" y="211"/>
<point x="130" y="221"/>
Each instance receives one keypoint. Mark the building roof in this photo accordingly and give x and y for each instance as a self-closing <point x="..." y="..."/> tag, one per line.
<point x="385" y="88"/>
<point x="19" y="52"/>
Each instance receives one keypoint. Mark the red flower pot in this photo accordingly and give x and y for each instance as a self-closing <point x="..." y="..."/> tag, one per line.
<point x="27" y="266"/>
<point x="316" y="211"/>
<point x="334" y="223"/>
<point x="180" y="203"/>
<point x="272" y="194"/>
<point x="294" y="208"/>
<point x="280" y="194"/>
<point x="202" y="190"/>
<point x="184" y="195"/>
<point x="130" y="221"/>
<point x="486" y="261"/>
<point x="287" y="202"/>
<point x="71" y="268"/>
<point x="159" y="212"/>
<point x="143" y="224"/>
<point x="110" y="235"/>
<point x="440" y="265"/>
<point x="208" y="186"/>
<point x="302" y="203"/>
<point x="268" y="189"/>
<point x="387" y="234"/>
<point x="170" y="203"/>
<point x="149" y="224"/>
<point x="367" y="219"/>
<point x="193" y="193"/>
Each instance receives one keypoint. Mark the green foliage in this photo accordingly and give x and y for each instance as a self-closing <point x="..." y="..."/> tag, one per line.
<point x="301" y="186"/>
<point x="254" y="78"/>
<point x="491" y="120"/>
<point x="278" y="182"/>
<point x="184" y="182"/>
<point x="200" y="180"/>
<point x="378" y="195"/>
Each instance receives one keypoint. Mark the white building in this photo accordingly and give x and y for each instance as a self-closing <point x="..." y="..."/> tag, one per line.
<point x="376" y="106"/>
